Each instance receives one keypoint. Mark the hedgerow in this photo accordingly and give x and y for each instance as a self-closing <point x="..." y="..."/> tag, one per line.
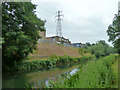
<point x="53" y="62"/>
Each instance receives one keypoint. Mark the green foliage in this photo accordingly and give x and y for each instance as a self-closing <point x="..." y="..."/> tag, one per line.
<point x="95" y="74"/>
<point x="1" y="42"/>
<point x="87" y="45"/>
<point x="114" y="32"/>
<point x="53" y="57"/>
<point x="51" y="82"/>
<point x="20" y="27"/>
<point x="83" y="51"/>
<point x="97" y="50"/>
<point x="101" y="49"/>
<point x="52" y="62"/>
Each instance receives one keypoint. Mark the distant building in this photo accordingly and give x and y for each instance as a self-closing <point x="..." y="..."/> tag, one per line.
<point x="58" y="39"/>
<point x="78" y="44"/>
<point x="53" y="39"/>
<point x="42" y="34"/>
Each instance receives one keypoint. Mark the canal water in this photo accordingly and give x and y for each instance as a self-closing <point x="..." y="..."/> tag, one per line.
<point x="36" y="78"/>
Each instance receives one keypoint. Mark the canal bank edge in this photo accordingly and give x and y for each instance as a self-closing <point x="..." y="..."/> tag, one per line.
<point x="60" y="61"/>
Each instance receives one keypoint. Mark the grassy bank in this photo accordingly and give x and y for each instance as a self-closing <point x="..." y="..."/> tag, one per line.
<point x="115" y="73"/>
<point x="52" y="62"/>
<point x="94" y="74"/>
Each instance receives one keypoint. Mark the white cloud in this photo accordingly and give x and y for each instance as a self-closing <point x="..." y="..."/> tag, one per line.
<point x="84" y="20"/>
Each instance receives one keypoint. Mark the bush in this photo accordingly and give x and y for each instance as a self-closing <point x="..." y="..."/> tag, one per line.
<point x="57" y="62"/>
<point x="83" y="51"/>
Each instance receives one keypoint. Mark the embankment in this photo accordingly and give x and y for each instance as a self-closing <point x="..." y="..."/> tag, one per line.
<point x="47" y="50"/>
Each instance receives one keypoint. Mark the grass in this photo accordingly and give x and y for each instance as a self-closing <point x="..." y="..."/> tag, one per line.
<point x="95" y="74"/>
<point x="115" y="73"/>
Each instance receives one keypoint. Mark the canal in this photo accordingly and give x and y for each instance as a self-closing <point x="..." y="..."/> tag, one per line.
<point x="35" y="78"/>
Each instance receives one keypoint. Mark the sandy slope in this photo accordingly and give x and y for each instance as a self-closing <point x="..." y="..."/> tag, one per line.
<point x="46" y="50"/>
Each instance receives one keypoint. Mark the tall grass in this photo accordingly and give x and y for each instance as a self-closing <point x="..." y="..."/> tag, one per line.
<point x="95" y="74"/>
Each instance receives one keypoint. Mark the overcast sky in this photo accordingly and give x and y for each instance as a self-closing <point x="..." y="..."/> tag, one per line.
<point x="84" y="20"/>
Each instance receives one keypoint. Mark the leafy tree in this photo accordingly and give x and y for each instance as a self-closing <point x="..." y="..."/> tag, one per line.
<point x="114" y="32"/>
<point x="1" y="41"/>
<point x="97" y="49"/>
<point x="106" y="46"/>
<point x="92" y="44"/>
<point x="20" y="27"/>
<point x="102" y="42"/>
<point x="88" y="44"/>
<point x="101" y="48"/>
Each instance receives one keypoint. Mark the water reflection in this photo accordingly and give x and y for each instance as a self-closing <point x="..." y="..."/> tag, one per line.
<point x="67" y="74"/>
<point x="36" y="78"/>
<point x="15" y="81"/>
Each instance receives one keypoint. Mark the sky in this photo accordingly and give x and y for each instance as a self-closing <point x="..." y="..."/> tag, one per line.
<point x="84" y="20"/>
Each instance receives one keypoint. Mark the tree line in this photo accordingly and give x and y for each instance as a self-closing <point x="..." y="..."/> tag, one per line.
<point x="100" y="48"/>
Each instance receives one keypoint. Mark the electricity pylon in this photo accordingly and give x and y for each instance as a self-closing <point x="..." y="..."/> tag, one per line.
<point x="58" y="19"/>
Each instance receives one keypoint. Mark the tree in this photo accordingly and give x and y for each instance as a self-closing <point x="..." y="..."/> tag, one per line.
<point x="114" y="32"/>
<point x="83" y="51"/>
<point x="97" y="50"/>
<point x="101" y="48"/>
<point x="102" y="42"/>
<point x="106" y="46"/>
<point x="20" y="27"/>
<point x="88" y="44"/>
